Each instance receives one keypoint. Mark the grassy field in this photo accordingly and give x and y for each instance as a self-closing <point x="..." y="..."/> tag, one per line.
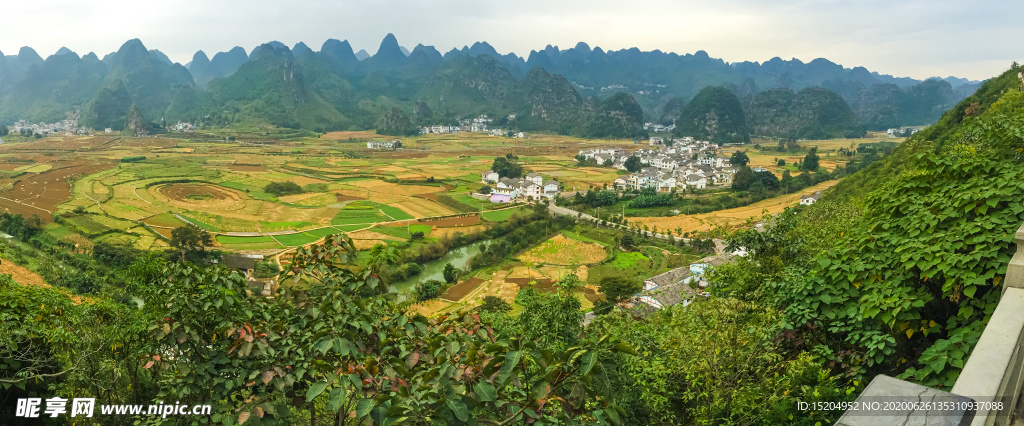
<point x="501" y="215"/>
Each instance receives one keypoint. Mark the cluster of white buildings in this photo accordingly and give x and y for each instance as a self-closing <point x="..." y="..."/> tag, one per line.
<point x="68" y="127"/>
<point x="180" y="127"/>
<point x="478" y="124"/>
<point x="440" y="129"/>
<point x="904" y="131"/>
<point x="531" y="187"/>
<point x="394" y="144"/>
<point x="659" y="128"/>
<point x="686" y="164"/>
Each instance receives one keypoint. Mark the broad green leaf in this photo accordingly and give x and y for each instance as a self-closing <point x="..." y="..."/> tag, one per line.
<point x="511" y="360"/>
<point x="315" y="390"/>
<point x="323" y="346"/>
<point x="336" y="399"/>
<point x="486" y="391"/>
<point x="363" y="407"/>
<point x="459" y="408"/>
<point x="625" y="348"/>
<point x="589" y="359"/>
<point x="613" y="415"/>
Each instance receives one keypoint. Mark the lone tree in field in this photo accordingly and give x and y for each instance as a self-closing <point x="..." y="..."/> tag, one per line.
<point x="278" y="189"/>
<point x="451" y="274"/>
<point x="617" y="289"/>
<point x="505" y="167"/>
<point x="811" y="161"/>
<point x="190" y="239"/>
<point x="739" y="159"/>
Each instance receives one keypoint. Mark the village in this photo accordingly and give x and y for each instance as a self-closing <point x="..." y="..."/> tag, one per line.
<point x="67" y="127"/>
<point x="480" y="124"/>
<point x="675" y="165"/>
<point x="683" y="164"/>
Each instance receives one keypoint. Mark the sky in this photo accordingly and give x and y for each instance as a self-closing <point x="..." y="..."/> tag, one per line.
<point x="904" y="38"/>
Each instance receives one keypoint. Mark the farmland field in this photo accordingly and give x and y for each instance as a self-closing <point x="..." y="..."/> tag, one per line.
<point x="379" y="196"/>
<point x="560" y="250"/>
<point x="731" y="218"/>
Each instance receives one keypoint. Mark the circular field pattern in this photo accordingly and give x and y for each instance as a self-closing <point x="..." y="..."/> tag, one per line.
<point x="196" y="196"/>
<point x="191" y="191"/>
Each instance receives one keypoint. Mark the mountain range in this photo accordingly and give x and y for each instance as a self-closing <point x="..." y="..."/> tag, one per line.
<point x="584" y="91"/>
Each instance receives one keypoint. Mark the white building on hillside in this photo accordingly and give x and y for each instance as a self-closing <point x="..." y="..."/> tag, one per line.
<point x="807" y="200"/>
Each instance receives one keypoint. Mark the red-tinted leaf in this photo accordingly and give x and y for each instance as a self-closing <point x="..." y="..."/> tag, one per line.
<point x="412" y="359"/>
<point x="242" y="417"/>
<point x="267" y="376"/>
<point x="149" y="365"/>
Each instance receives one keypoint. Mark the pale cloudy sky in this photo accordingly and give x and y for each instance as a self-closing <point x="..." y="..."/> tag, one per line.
<point x="915" y="38"/>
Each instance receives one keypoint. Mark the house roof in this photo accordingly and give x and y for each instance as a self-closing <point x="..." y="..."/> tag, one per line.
<point x="532" y="175"/>
<point x="551" y="182"/>
<point x="238" y="261"/>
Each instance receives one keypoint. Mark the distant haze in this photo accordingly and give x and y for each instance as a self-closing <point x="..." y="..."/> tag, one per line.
<point x="912" y="38"/>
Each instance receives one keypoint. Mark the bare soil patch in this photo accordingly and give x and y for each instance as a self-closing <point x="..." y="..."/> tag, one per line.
<point x="453" y="221"/>
<point x="457" y="292"/>
<point x="186" y="192"/>
<point x="39" y="193"/>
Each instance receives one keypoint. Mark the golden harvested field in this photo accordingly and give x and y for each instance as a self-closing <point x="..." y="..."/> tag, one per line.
<point x="303" y="180"/>
<point x="336" y="136"/>
<point x="379" y="186"/>
<point x="299" y="198"/>
<point x="429" y="308"/>
<point x="560" y="250"/>
<point x="731" y="218"/>
<point x="437" y="232"/>
<point x="419" y="207"/>
<point x="367" y="239"/>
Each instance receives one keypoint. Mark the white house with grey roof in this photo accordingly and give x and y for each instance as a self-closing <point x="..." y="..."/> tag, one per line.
<point x="807" y="200"/>
<point x="533" y="187"/>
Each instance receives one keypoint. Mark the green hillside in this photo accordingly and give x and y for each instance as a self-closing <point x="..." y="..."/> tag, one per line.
<point x="897" y="269"/>
<point x="271" y="88"/>
<point x="52" y="88"/>
<point x="715" y="115"/>
<point x="813" y="113"/>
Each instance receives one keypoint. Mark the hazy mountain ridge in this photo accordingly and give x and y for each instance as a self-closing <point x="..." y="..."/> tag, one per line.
<point x="361" y="88"/>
